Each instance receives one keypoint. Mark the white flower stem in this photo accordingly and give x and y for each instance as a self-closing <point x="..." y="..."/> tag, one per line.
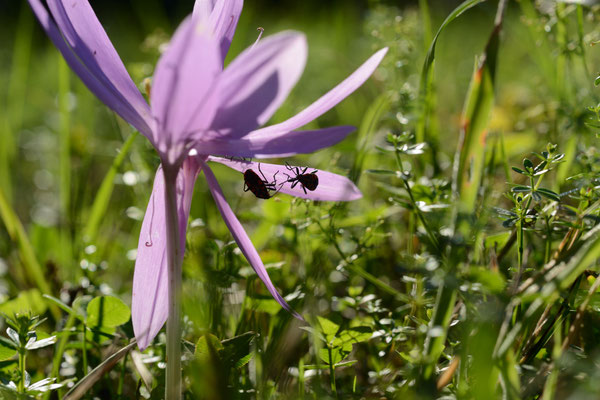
<point x="173" y="383"/>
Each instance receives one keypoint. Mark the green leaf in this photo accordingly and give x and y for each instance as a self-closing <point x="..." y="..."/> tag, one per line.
<point x="549" y="194"/>
<point x="491" y="280"/>
<point x="337" y="354"/>
<point x="107" y="311"/>
<point x="328" y="327"/>
<point x="9" y="394"/>
<point x="381" y="172"/>
<point x="63" y="306"/>
<point x="355" y="334"/>
<point x="6" y="352"/>
<point x="268" y="306"/>
<point x="27" y="301"/>
<point x="521" y="189"/>
<point x="338" y="365"/>
<point x="202" y="346"/>
<point x="497" y="240"/>
<point x="237" y="351"/>
<point x="100" y="334"/>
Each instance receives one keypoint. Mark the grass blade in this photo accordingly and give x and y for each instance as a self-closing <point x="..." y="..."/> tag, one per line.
<point x="17" y="233"/>
<point x="367" y="127"/>
<point x="86" y="383"/>
<point x="15" y="97"/>
<point x="469" y="162"/>
<point x="470" y="152"/>
<point x="102" y="199"/>
<point x="426" y="79"/>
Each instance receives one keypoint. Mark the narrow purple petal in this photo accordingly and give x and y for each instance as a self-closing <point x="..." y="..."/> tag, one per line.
<point x="242" y="239"/>
<point x="184" y="92"/>
<point x="256" y="83"/>
<point x="332" y="187"/>
<point x="203" y="9"/>
<point x="223" y="16"/>
<point x="149" y="307"/>
<point x="280" y="145"/>
<point x="117" y="94"/>
<point x="326" y="102"/>
<point x="96" y="49"/>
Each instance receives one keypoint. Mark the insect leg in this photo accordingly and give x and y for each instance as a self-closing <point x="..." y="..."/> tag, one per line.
<point x="263" y="175"/>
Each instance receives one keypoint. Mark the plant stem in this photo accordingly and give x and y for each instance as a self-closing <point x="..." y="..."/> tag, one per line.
<point x="420" y="215"/>
<point x="332" y="373"/>
<point x="21" y="388"/>
<point x="301" y="377"/>
<point x="58" y="355"/>
<point x="173" y="384"/>
<point x="122" y="377"/>
<point x="84" y="350"/>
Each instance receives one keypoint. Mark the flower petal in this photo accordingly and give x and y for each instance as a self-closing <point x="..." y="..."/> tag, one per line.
<point x="108" y="81"/>
<point x="203" y="9"/>
<point x="326" y="102"/>
<point x="223" y="16"/>
<point x="256" y="83"/>
<point x="149" y="308"/>
<point x="280" y="145"/>
<point x="331" y="187"/>
<point x="184" y="91"/>
<point x="242" y="239"/>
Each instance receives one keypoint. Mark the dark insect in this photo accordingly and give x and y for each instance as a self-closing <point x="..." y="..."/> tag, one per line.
<point x="308" y="181"/>
<point x="260" y="187"/>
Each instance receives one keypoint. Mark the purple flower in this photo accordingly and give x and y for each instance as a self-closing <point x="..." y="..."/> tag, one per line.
<point x="198" y="109"/>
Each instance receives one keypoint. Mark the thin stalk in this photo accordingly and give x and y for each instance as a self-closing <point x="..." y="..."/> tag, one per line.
<point x="64" y="138"/>
<point x="173" y="384"/>
<point x="58" y="354"/>
<point x="581" y="40"/>
<point x="301" y="379"/>
<point x="548" y="242"/>
<point x="520" y="244"/>
<point x="22" y="356"/>
<point x="84" y="350"/>
<point x="520" y="230"/>
<point x="64" y="161"/>
<point x="420" y="215"/>
<point x="122" y="377"/>
<point x="332" y="373"/>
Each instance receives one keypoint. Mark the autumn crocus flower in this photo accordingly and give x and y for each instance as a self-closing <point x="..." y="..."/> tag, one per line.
<point x="198" y="109"/>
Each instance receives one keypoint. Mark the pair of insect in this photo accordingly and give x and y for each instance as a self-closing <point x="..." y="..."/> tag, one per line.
<point x="261" y="187"/>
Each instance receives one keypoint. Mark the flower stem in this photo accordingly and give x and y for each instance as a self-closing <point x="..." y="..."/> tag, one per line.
<point x="173" y="384"/>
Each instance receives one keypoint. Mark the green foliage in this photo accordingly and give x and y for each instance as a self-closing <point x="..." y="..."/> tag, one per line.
<point x="107" y="311"/>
